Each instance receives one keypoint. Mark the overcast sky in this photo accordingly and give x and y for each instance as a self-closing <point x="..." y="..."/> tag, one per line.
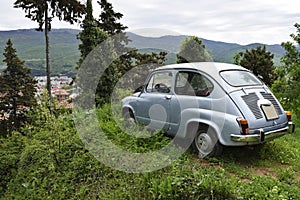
<point x="236" y="21"/>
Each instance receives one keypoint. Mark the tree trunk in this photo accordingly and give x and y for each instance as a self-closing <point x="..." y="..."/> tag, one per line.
<point x="48" y="58"/>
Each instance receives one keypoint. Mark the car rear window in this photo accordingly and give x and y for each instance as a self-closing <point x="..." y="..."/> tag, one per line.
<point x="239" y="78"/>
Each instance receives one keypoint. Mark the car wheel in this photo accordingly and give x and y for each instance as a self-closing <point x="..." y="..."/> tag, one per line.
<point x="129" y="119"/>
<point x="206" y="144"/>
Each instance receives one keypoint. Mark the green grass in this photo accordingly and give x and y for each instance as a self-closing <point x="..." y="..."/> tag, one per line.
<point x="49" y="161"/>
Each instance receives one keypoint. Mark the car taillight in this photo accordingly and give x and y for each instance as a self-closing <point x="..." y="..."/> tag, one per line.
<point x="244" y="126"/>
<point x="289" y="115"/>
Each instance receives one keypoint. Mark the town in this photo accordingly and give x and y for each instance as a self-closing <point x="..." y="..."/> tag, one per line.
<point x="62" y="89"/>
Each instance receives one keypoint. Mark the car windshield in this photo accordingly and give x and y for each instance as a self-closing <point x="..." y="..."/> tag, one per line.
<point x="238" y="78"/>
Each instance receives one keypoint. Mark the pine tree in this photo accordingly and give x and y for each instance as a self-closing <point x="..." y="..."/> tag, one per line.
<point x="91" y="34"/>
<point x="17" y="91"/>
<point x="96" y="31"/>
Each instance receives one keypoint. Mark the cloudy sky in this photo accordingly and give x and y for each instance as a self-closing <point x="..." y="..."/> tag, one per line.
<point x="236" y="21"/>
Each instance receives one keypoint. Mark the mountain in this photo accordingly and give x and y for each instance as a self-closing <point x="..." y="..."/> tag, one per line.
<point x="221" y="51"/>
<point x="30" y="45"/>
<point x="64" y="52"/>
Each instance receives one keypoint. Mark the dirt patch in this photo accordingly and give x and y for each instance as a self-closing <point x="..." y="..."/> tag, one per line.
<point x="265" y="171"/>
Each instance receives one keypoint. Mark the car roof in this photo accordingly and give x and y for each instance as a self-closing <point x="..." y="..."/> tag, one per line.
<point x="212" y="68"/>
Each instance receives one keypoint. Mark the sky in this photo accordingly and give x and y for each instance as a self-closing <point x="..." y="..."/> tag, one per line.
<point x="234" y="21"/>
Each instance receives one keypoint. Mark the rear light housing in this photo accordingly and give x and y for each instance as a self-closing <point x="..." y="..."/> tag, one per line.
<point x="289" y="115"/>
<point x="244" y="126"/>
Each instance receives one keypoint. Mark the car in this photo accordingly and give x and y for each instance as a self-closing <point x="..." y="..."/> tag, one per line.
<point x="210" y="104"/>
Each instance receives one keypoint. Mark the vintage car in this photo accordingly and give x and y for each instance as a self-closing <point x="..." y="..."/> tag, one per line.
<point x="211" y="104"/>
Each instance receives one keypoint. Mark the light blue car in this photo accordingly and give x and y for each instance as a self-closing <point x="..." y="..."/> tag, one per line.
<point x="211" y="104"/>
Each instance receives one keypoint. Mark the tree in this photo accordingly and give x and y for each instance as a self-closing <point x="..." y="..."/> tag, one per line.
<point x="237" y="58"/>
<point x="260" y="62"/>
<point x="17" y="91"/>
<point x="91" y="34"/>
<point x="43" y="11"/>
<point x="192" y="50"/>
<point x="97" y="31"/>
<point x="287" y="86"/>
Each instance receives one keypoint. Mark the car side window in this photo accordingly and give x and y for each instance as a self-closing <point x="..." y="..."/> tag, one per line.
<point x="192" y="84"/>
<point x="160" y="82"/>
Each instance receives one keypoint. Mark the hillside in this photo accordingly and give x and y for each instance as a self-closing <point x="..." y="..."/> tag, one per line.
<point x="221" y="51"/>
<point x="64" y="48"/>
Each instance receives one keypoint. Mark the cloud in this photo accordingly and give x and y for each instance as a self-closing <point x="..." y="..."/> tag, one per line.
<point x="239" y="21"/>
<point x="227" y="20"/>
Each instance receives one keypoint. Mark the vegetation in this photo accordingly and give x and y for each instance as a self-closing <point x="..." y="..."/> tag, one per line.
<point x="17" y="92"/>
<point x="91" y="34"/>
<point x="287" y="86"/>
<point x="95" y="33"/>
<point x="48" y="160"/>
<point x="259" y="61"/>
<point x="192" y="50"/>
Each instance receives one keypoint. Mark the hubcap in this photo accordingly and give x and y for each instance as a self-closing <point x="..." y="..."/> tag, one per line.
<point x="204" y="144"/>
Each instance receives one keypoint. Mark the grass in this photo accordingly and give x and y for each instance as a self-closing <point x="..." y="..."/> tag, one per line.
<point x="47" y="163"/>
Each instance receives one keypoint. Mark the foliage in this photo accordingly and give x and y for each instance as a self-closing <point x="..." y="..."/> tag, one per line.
<point x="192" y="50"/>
<point x="68" y="11"/>
<point x="91" y="34"/>
<point x="259" y="61"/>
<point x="95" y="33"/>
<point x="287" y="86"/>
<point x="17" y="91"/>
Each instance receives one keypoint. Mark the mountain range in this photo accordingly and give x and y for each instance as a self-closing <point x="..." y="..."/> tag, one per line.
<point x="64" y="52"/>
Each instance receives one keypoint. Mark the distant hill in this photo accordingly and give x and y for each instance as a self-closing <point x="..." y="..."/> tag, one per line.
<point x="65" y="54"/>
<point x="30" y="45"/>
<point x="221" y="51"/>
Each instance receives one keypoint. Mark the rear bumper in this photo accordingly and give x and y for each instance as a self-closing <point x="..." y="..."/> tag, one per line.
<point x="260" y="136"/>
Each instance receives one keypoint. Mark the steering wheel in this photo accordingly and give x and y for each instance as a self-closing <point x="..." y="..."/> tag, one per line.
<point x="161" y="87"/>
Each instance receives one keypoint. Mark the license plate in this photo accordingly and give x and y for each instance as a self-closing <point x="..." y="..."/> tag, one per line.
<point x="270" y="112"/>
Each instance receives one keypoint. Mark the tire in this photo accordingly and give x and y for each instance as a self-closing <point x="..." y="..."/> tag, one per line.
<point x="206" y="144"/>
<point x="129" y="119"/>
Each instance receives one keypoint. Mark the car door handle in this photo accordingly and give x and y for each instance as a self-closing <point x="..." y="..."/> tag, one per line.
<point x="168" y="97"/>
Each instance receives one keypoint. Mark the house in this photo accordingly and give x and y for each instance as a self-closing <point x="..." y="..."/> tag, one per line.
<point x="61" y="95"/>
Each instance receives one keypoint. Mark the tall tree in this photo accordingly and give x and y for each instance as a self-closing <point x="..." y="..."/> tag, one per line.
<point x="287" y="86"/>
<point x="91" y="34"/>
<point x="109" y="23"/>
<point x="96" y="31"/>
<point x="260" y="62"/>
<point x="43" y="11"/>
<point x="17" y="91"/>
<point x="192" y="49"/>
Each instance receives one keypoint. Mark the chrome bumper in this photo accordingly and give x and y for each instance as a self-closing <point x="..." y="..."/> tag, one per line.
<point x="261" y="136"/>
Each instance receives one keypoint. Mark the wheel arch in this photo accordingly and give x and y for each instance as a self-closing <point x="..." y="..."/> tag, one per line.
<point x="194" y="126"/>
<point x="128" y="109"/>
